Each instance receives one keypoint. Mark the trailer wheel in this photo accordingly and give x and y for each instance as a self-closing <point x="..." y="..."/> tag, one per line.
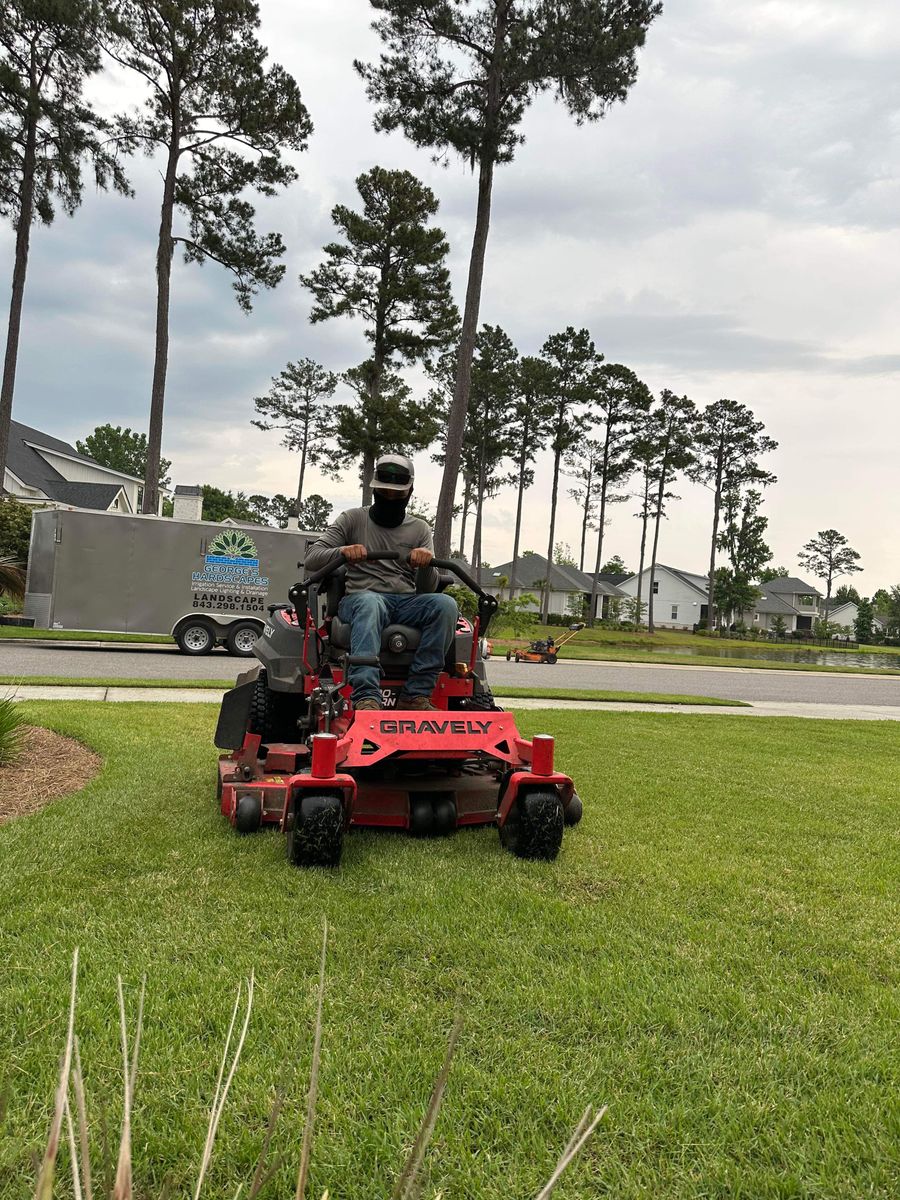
<point x="315" y="837"/>
<point x="534" y="826"/>
<point x="195" y="637"/>
<point x="508" y="655"/>
<point x="242" y="637"/>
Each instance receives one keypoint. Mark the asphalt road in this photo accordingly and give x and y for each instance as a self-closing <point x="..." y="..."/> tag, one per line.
<point x="729" y="683"/>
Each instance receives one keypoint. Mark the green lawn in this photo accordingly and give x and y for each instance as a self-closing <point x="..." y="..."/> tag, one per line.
<point x="81" y="635"/>
<point x="221" y="685"/>
<point x="610" y="652"/>
<point x="714" y="954"/>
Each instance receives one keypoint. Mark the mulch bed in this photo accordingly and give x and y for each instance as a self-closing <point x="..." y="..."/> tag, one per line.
<point x="47" y="766"/>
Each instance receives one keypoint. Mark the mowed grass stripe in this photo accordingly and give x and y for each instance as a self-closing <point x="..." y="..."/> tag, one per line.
<point x="714" y="954"/>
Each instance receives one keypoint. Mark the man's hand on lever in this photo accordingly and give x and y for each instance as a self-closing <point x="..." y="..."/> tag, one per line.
<point x="420" y="557"/>
<point x="353" y="553"/>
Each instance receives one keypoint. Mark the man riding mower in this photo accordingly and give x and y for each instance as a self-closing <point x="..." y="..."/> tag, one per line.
<point x="370" y="707"/>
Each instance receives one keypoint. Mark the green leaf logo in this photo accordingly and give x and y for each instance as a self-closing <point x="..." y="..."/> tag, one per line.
<point x="233" y="543"/>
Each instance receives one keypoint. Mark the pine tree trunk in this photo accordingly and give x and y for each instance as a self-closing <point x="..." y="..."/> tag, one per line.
<point x="456" y="421"/>
<point x="519" y="503"/>
<point x="467" y="497"/>
<point x="302" y="465"/>
<point x="717" y="504"/>
<point x="587" y="514"/>
<point x="20" y="269"/>
<point x="365" y="476"/>
<point x="164" y="251"/>
<point x="603" y="486"/>
<point x="661" y="491"/>
<point x="477" y="552"/>
<point x="545" y="593"/>
<point x="645" y="516"/>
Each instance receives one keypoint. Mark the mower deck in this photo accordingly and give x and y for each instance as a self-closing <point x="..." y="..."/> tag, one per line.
<point x="389" y="767"/>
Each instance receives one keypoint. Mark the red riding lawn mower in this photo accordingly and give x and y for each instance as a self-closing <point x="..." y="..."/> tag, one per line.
<point x="302" y="759"/>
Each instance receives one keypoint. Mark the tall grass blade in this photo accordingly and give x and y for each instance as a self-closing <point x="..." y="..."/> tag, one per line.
<point x="122" y="1189"/>
<point x="81" y="1102"/>
<point x="408" y="1184"/>
<point x="73" y="1153"/>
<point x="221" y="1097"/>
<point x="579" y="1139"/>
<point x="306" y="1148"/>
<point x="44" y="1189"/>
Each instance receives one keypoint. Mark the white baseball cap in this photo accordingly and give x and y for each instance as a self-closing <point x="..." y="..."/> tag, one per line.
<point x="393" y="473"/>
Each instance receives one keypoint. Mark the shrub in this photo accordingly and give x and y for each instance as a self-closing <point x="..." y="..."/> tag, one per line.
<point x="11" y="727"/>
<point x="15" y="530"/>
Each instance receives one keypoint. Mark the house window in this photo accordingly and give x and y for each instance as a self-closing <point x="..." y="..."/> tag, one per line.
<point x="655" y="587"/>
<point x="674" y="612"/>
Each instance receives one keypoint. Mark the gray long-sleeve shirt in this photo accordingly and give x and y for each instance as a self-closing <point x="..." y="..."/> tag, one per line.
<point x="355" y="527"/>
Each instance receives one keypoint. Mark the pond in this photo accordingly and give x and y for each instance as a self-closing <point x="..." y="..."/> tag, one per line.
<point x="822" y="658"/>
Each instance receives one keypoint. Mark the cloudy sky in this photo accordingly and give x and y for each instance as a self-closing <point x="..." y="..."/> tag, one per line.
<point x="732" y="231"/>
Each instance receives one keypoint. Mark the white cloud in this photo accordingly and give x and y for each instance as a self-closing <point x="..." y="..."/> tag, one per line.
<point x="732" y="230"/>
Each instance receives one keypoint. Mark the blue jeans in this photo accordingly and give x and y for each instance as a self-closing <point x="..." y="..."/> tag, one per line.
<point x="367" y="614"/>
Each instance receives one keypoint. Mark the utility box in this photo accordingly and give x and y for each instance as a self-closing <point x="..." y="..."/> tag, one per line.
<point x="203" y="582"/>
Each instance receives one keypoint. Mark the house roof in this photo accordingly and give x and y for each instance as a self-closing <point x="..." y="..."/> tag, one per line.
<point x="87" y="495"/>
<point x="774" y="604"/>
<point x="531" y="568"/>
<point x="30" y="466"/>
<point x="789" y="585"/>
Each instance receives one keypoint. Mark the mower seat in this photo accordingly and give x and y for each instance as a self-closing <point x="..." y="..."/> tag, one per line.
<point x="340" y="637"/>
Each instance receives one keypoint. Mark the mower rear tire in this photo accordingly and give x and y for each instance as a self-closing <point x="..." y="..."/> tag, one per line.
<point x="315" y="837"/>
<point x="534" y="826"/>
<point x="268" y="717"/>
<point x="508" y="655"/>
<point x="551" y="658"/>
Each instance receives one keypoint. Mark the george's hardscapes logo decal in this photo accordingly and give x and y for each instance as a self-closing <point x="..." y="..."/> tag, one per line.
<point x="230" y="580"/>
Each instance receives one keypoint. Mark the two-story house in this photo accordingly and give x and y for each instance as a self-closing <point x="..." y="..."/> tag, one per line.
<point x="44" y="470"/>
<point x="794" y="600"/>
<point x="679" y="597"/>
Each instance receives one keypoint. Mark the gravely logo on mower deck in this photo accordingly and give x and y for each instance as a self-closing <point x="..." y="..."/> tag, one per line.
<point x="458" y="727"/>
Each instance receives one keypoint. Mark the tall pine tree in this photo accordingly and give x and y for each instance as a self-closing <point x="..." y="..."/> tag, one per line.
<point x="675" y="418"/>
<point x="572" y="360"/>
<point x="458" y="75"/>
<point x="383" y="420"/>
<point x="220" y="120"/>
<point x="728" y="444"/>
<point x="295" y="406"/>
<point x="47" y="134"/>
<point x="388" y="270"/>
<point x="620" y="402"/>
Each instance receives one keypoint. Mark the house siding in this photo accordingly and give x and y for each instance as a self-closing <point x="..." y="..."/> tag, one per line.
<point x="673" y="592"/>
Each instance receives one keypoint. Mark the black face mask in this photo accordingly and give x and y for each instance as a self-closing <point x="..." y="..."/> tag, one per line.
<point x="389" y="513"/>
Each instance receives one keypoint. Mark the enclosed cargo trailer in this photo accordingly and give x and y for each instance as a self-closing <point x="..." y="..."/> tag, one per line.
<point x="203" y="582"/>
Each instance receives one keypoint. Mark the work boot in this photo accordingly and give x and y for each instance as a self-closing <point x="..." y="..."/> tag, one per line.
<point x="370" y="705"/>
<point x="415" y="703"/>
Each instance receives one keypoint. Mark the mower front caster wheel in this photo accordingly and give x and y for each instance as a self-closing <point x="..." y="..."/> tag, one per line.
<point x="315" y="836"/>
<point x="534" y="826"/>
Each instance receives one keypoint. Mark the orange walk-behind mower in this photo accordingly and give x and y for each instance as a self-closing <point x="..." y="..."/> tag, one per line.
<point x="301" y="758"/>
<point x="545" y="650"/>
